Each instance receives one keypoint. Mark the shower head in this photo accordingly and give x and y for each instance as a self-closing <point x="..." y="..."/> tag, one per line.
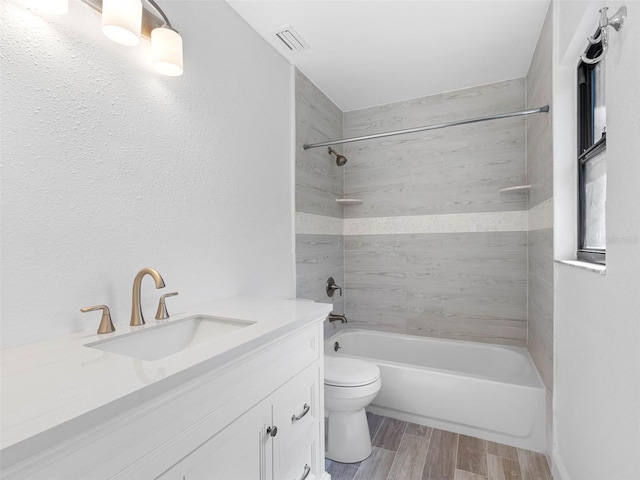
<point x="340" y="159"/>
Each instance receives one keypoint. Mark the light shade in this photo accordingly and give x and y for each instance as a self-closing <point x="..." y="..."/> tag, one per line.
<point x="166" y="51"/>
<point x="122" y="21"/>
<point x="53" y="7"/>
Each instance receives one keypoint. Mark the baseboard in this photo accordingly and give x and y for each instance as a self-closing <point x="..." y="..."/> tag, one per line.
<point x="558" y="469"/>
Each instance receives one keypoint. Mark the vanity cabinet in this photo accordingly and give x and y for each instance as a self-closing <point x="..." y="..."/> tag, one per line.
<point x="238" y="452"/>
<point x="276" y="439"/>
<point x="213" y="423"/>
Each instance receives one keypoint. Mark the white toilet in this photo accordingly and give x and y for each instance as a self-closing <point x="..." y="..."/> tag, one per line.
<point x="349" y="386"/>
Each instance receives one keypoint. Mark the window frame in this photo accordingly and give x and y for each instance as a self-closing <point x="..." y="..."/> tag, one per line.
<point x="588" y="148"/>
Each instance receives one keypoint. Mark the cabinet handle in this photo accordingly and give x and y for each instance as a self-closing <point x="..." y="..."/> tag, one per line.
<point x="305" y="410"/>
<point x="307" y="471"/>
<point x="272" y="431"/>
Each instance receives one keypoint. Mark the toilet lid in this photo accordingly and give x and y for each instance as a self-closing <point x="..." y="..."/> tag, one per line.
<point x="349" y="372"/>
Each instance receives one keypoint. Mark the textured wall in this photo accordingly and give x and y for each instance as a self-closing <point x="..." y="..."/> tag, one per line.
<point x="540" y="176"/>
<point x="319" y="181"/>
<point x="108" y="167"/>
<point x="455" y="263"/>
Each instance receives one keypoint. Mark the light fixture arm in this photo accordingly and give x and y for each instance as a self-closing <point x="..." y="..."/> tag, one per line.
<point x="157" y="8"/>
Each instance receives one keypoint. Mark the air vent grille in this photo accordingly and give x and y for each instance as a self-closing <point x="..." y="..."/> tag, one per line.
<point x="291" y="39"/>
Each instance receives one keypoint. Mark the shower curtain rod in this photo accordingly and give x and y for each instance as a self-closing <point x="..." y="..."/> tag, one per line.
<point x="429" y="127"/>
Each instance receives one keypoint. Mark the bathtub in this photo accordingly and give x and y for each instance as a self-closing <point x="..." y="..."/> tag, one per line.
<point x="492" y="392"/>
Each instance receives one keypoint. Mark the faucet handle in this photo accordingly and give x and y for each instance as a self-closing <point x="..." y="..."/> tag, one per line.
<point x="332" y="287"/>
<point x="161" y="313"/>
<point x="106" y="325"/>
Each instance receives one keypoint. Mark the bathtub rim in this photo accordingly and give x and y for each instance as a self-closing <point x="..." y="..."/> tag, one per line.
<point x="535" y="374"/>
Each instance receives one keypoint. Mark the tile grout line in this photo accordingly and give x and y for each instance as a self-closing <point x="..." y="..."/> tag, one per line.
<point x="395" y="454"/>
<point x="377" y="430"/>
<point x="455" y="466"/>
<point x="426" y="453"/>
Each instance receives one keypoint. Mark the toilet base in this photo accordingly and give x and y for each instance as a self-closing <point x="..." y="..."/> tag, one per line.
<point x="348" y="439"/>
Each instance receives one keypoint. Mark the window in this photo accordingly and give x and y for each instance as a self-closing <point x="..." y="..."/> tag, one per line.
<point x="592" y="163"/>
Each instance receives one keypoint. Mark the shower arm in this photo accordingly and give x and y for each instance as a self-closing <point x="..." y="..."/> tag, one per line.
<point x="543" y="109"/>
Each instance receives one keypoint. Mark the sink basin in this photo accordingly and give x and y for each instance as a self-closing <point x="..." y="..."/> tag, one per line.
<point x="153" y="343"/>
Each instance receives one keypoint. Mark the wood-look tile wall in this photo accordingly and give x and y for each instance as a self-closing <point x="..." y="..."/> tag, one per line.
<point x="319" y="257"/>
<point x="470" y="285"/>
<point x="319" y="181"/>
<point x="453" y="170"/>
<point x="540" y="175"/>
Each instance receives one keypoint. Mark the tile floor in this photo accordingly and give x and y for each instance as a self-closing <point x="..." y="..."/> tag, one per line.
<point x="407" y="451"/>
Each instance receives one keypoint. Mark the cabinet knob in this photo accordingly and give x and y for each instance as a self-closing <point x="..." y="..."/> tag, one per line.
<point x="272" y="431"/>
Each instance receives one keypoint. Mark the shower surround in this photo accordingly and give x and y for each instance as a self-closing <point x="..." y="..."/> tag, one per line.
<point x="434" y="248"/>
<point x="454" y="261"/>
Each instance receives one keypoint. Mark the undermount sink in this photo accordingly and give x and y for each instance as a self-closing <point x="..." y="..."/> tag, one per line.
<point x="153" y="343"/>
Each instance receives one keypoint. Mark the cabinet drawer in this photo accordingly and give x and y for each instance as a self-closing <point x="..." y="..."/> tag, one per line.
<point x="300" y="461"/>
<point x="297" y="414"/>
<point x="296" y="407"/>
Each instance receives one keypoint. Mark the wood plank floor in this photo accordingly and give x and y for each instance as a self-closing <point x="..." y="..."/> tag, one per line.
<point x="406" y="451"/>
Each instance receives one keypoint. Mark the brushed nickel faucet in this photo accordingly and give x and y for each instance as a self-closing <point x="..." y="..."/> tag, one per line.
<point x="137" y="318"/>
<point x="106" y="325"/>
<point x="162" y="313"/>
<point x="334" y="317"/>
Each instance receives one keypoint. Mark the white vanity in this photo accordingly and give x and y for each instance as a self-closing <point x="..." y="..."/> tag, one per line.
<point x="245" y="405"/>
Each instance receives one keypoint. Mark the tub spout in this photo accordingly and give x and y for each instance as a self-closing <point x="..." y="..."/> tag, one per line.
<point x="334" y="317"/>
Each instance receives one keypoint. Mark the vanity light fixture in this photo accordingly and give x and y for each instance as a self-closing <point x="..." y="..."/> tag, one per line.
<point x="52" y="7"/>
<point x="166" y="47"/>
<point x="125" y="21"/>
<point x="122" y="21"/>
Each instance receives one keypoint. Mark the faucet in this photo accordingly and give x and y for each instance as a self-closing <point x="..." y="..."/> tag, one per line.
<point x="334" y="317"/>
<point x="137" y="318"/>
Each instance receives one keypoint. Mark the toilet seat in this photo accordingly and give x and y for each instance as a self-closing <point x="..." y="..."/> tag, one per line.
<point x="349" y="372"/>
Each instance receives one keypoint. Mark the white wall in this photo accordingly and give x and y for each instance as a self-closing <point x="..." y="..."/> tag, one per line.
<point x="597" y="317"/>
<point x="108" y="167"/>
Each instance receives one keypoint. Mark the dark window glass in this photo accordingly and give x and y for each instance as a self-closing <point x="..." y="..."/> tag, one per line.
<point x="592" y="162"/>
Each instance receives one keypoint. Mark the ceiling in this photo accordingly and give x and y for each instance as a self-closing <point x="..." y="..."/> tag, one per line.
<point x="364" y="53"/>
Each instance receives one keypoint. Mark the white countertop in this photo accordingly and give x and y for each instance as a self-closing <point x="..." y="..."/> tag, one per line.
<point x="47" y="384"/>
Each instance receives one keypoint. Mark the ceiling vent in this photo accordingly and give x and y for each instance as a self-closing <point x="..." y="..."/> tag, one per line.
<point x="291" y="39"/>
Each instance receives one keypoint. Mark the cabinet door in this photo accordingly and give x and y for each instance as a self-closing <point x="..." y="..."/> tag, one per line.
<point x="242" y="451"/>
<point x="297" y="413"/>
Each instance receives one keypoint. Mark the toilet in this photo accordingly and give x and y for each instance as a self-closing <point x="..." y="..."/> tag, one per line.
<point x="349" y="386"/>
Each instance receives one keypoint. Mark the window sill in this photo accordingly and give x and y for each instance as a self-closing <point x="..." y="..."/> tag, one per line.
<point x="591" y="267"/>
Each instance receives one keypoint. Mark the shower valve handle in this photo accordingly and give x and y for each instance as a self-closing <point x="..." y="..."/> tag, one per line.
<point x="332" y="287"/>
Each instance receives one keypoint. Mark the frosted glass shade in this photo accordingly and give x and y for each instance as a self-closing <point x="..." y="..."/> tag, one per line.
<point x="166" y="51"/>
<point x="53" y="7"/>
<point x="122" y="21"/>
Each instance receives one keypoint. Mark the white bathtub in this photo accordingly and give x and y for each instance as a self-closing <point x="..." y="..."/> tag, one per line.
<point x="487" y="391"/>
